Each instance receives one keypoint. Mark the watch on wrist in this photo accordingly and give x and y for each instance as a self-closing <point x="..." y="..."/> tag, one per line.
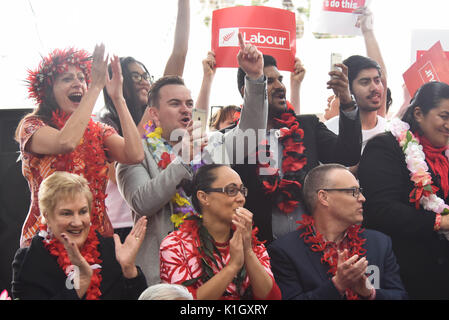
<point x="348" y="105"/>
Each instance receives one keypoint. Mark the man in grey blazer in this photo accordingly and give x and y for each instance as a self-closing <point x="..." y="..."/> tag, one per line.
<point x="148" y="189"/>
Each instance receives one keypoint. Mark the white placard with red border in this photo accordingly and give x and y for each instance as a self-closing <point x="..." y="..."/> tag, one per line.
<point x="271" y="30"/>
<point x="336" y="17"/>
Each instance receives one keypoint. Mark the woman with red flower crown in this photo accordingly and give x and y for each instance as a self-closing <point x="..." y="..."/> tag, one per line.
<point x="217" y="255"/>
<point x="405" y="175"/>
<point x="59" y="135"/>
<point x="69" y="259"/>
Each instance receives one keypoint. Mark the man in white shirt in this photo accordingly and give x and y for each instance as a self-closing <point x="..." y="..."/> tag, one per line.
<point x="364" y="75"/>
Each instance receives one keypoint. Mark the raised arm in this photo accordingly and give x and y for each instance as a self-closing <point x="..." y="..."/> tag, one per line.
<point x="127" y="149"/>
<point x="296" y="78"/>
<point x="365" y="22"/>
<point x="255" y="104"/>
<point x="176" y="62"/>
<point x="208" y="76"/>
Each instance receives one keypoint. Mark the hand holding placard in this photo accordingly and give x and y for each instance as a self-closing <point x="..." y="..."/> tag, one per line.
<point x="365" y="20"/>
<point x="250" y="59"/>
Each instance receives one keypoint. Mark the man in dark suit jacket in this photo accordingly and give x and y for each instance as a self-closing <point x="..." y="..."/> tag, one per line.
<point x="329" y="255"/>
<point x="320" y="145"/>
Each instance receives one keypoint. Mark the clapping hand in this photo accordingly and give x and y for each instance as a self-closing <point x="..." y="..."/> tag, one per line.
<point x="126" y="253"/>
<point x="99" y="67"/>
<point x="350" y="272"/>
<point x="243" y="220"/>
<point x="237" y="257"/>
<point x="114" y="85"/>
<point x="85" y="272"/>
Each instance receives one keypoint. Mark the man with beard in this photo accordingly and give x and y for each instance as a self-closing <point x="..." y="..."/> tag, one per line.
<point x="365" y="83"/>
<point x="297" y="144"/>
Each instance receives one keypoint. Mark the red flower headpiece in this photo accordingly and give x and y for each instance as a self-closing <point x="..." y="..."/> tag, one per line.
<point x="52" y="65"/>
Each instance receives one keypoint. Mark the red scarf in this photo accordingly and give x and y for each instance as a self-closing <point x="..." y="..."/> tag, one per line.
<point x="330" y="254"/>
<point x="89" y="252"/>
<point x="437" y="161"/>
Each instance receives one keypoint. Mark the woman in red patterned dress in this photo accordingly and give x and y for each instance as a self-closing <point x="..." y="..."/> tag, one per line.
<point x="216" y="255"/>
<point x="59" y="135"/>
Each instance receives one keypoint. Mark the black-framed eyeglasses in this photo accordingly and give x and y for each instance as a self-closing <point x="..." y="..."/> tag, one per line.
<point x="231" y="190"/>
<point x="356" y="191"/>
<point x="137" y="77"/>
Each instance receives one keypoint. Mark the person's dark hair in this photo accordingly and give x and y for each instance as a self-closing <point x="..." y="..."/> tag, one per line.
<point x="427" y="98"/>
<point x="221" y="115"/>
<point x="153" y="95"/>
<point x="358" y="63"/>
<point x="389" y="100"/>
<point x="268" y="61"/>
<point x="109" y="115"/>
<point x="202" y="179"/>
<point x="318" y="179"/>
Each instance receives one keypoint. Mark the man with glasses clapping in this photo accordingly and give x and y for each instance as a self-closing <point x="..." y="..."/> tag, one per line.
<point x="330" y="256"/>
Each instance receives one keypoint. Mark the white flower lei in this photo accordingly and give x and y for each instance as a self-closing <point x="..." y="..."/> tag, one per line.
<point x="416" y="164"/>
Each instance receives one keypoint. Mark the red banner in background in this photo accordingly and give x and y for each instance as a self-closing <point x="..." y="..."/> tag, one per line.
<point x="419" y="54"/>
<point x="342" y="5"/>
<point x="271" y="30"/>
<point x="432" y="65"/>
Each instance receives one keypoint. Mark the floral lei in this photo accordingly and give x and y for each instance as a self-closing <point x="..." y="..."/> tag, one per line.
<point x="330" y="255"/>
<point x="56" y="63"/>
<point x="424" y="192"/>
<point x="89" y="252"/>
<point x="287" y="190"/>
<point x="181" y="205"/>
<point x="205" y="245"/>
<point x="94" y="168"/>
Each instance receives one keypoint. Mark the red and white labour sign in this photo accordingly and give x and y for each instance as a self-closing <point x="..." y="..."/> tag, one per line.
<point x="271" y="30"/>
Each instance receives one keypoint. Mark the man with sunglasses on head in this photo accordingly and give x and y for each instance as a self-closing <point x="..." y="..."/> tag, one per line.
<point x="171" y="145"/>
<point x="330" y="257"/>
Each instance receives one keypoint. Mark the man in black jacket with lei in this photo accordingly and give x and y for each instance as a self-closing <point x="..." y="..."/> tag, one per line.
<point x="275" y="188"/>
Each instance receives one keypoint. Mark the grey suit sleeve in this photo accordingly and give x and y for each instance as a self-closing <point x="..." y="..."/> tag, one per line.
<point x="251" y="130"/>
<point x="147" y="190"/>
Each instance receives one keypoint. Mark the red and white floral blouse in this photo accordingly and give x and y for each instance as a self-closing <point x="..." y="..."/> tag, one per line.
<point x="180" y="261"/>
<point x="89" y="159"/>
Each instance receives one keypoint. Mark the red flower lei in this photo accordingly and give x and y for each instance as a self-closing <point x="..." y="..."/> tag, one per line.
<point x="89" y="252"/>
<point x="204" y="251"/>
<point x="56" y="63"/>
<point x="330" y="255"/>
<point x="94" y="169"/>
<point x="287" y="190"/>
